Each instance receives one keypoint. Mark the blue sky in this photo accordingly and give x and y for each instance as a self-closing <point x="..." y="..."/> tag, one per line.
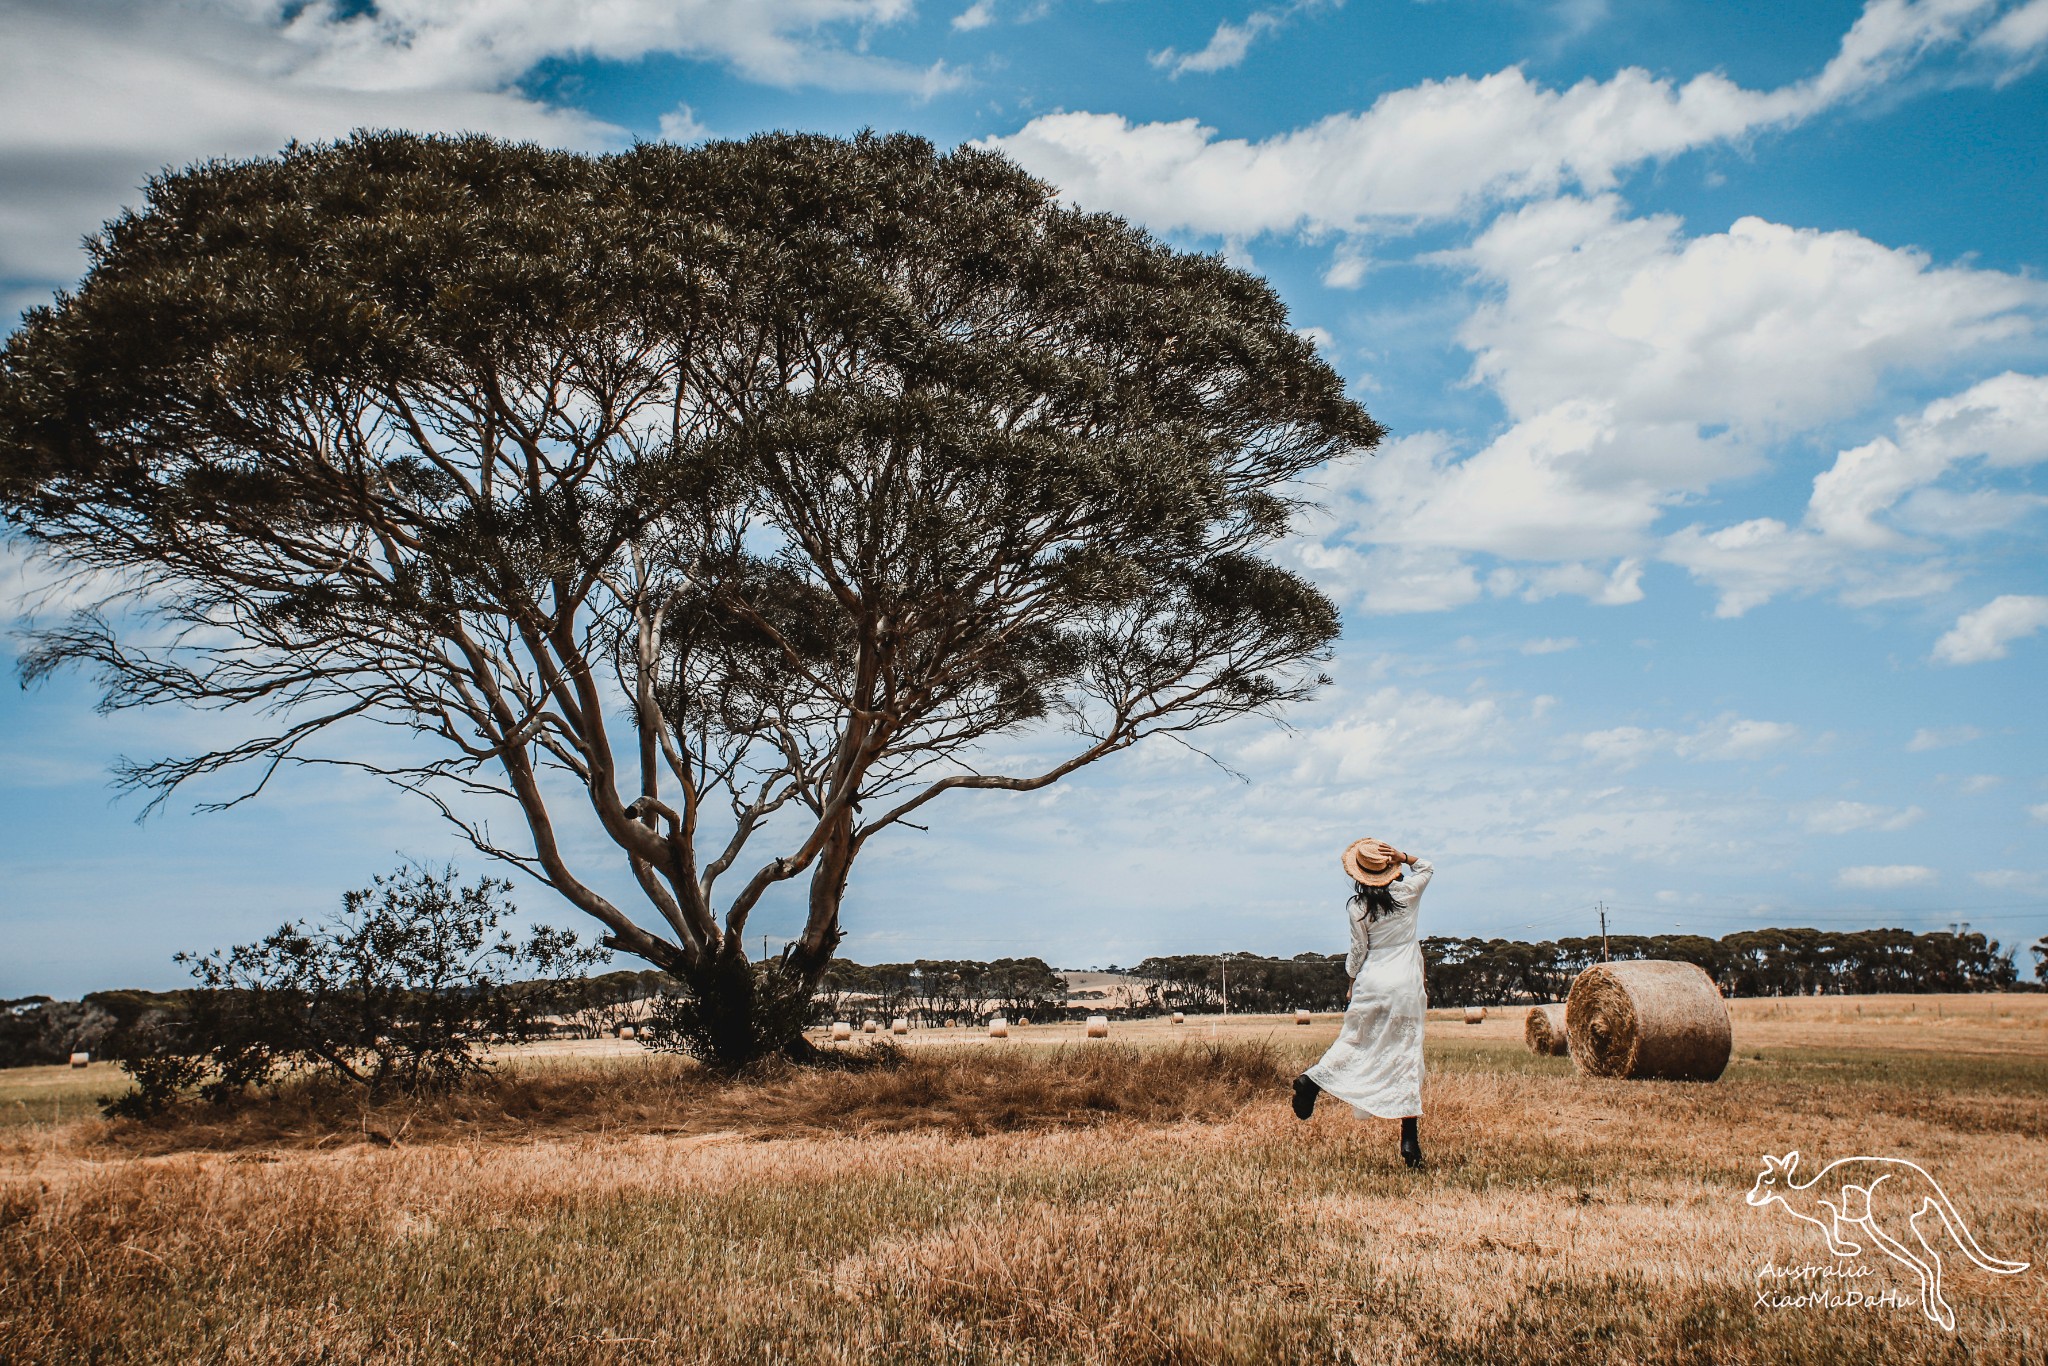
<point x="1701" y="575"/>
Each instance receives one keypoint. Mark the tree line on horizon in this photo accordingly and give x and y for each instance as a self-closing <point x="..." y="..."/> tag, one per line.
<point x="1459" y="971"/>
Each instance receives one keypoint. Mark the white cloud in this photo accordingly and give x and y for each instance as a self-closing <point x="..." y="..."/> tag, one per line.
<point x="1441" y="148"/>
<point x="1873" y="877"/>
<point x="2010" y="880"/>
<point x="2019" y="32"/>
<point x="1549" y="645"/>
<point x="1941" y="737"/>
<point x="1736" y="737"/>
<point x="980" y="14"/>
<point x="1386" y="732"/>
<point x="1845" y="818"/>
<point x="682" y="126"/>
<point x="1985" y="633"/>
<point x="2001" y="422"/>
<point x="2039" y="813"/>
<point x="1640" y="368"/>
<point x="100" y="94"/>
<point x="1230" y="42"/>
<point x="1727" y="737"/>
<point x="1624" y="746"/>
<point x="1976" y="783"/>
<point x="1765" y="328"/>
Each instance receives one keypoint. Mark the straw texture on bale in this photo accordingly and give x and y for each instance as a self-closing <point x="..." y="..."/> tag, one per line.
<point x="625" y="1031"/>
<point x="899" y="1026"/>
<point x="841" y="1031"/>
<point x="999" y="1028"/>
<point x="1544" y="1032"/>
<point x="1179" y="1018"/>
<point x="869" y="1026"/>
<point x="1098" y="1026"/>
<point x="1475" y="1014"/>
<point x="1648" y="1018"/>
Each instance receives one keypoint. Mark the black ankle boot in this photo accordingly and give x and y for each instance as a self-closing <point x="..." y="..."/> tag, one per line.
<point x="1411" y="1145"/>
<point x="1305" y="1093"/>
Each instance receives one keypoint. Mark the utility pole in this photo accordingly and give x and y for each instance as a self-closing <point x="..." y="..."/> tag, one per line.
<point x="1601" y="907"/>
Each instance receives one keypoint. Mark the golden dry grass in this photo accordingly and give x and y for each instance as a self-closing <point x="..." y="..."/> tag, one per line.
<point x="597" y="1209"/>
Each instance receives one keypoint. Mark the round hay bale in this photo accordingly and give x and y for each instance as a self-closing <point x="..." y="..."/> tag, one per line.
<point x="625" y="1031"/>
<point x="1098" y="1026"/>
<point x="81" y="1059"/>
<point x="1475" y="1014"/>
<point x="1302" y="1017"/>
<point x="1649" y="1018"/>
<point x="869" y="1026"/>
<point x="1543" y="1031"/>
<point x="999" y="1028"/>
<point x="1023" y="1020"/>
<point x="1179" y="1018"/>
<point x="841" y="1031"/>
<point x="899" y="1025"/>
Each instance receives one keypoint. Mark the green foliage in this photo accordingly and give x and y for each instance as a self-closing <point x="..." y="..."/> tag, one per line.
<point x="731" y="1013"/>
<point x="844" y="458"/>
<point x="1257" y="984"/>
<point x="406" y="988"/>
<point x="37" y="1031"/>
<point x="1766" y="962"/>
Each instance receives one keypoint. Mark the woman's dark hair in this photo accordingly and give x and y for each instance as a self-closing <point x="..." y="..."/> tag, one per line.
<point x="1378" y="900"/>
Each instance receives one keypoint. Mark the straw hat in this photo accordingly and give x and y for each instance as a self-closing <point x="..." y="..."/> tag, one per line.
<point x="1372" y="862"/>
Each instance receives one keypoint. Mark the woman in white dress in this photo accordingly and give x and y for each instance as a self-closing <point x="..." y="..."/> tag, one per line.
<point x="1375" y="1066"/>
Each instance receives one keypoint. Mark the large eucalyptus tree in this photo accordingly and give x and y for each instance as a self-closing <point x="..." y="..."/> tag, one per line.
<point x="710" y="497"/>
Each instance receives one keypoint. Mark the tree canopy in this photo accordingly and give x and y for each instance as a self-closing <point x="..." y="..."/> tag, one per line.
<point x="705" y="492"/>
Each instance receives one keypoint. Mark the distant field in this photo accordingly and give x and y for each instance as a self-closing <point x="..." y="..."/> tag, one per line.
<point x="1041" y="1199"/>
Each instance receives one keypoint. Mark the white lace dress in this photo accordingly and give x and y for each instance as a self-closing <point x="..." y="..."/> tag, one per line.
<point x="1376" y="1064"/>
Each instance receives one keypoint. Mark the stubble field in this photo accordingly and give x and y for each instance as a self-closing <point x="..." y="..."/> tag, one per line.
<point x="1041" y="1199"/>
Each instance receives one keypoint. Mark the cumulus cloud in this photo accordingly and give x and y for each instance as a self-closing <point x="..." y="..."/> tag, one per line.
<point x="1549" y="645"/>
<point x="682" y="126"/>
<point x="1846" y="818"/>
<point x="980" y="14"/>
<point x="1639" y="368"/>
<point x="2039" y="813"/>
<point x="1442" y="148"/>
<point x="1878" y="877"/>
<point x="1850" y="525"/>
<point x="1985" y="633"/>
<point x="101" y="94"/>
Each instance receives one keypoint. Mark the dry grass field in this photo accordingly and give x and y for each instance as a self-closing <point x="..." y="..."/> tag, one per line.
<point x="1040" y="1199"/>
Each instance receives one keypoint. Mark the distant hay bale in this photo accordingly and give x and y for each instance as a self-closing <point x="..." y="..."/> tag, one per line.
<point x="1475" y="1014"/>
<point x="999" y="1028"/>
<point x="899" y="1025"/>
<point x="869" y="1026"/>
<point x="1179" y="1018"/>
<point x="1023" y="1020"/>
<point x="1543" y="1031"/>
<point x="1302" y="1017"/>
<point x="841" y="1031"/>
<point x="80" y="1059"/>
<point x="1649" y="1018"/>
<point x="1098" y="1026"/>
<point x="625" y="1031"/>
